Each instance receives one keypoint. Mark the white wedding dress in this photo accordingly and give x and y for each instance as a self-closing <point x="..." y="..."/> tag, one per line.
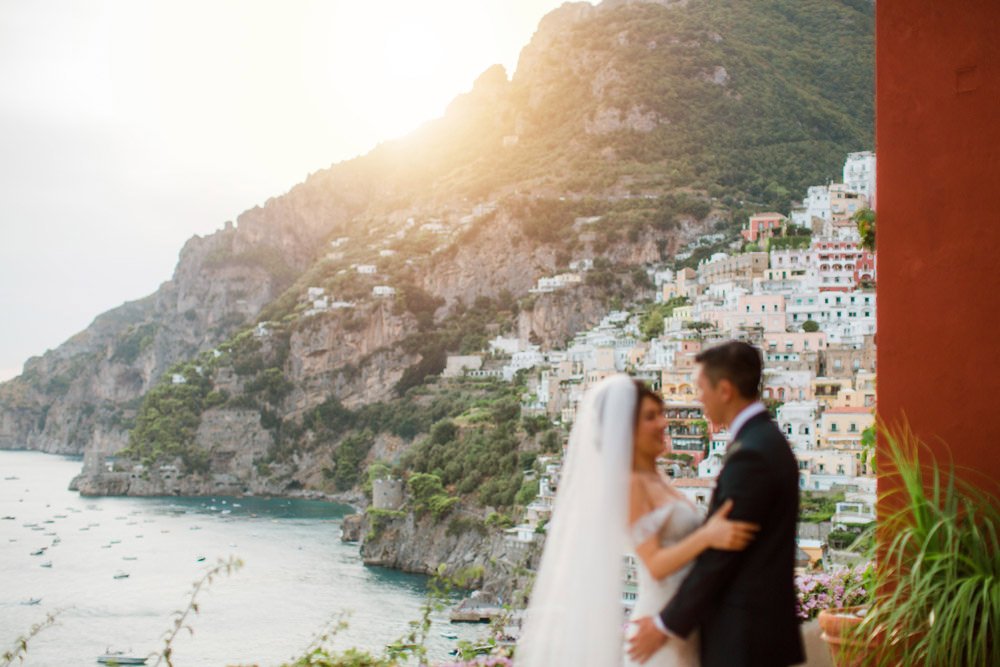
<point x="672" y="522"/>
<point x="574" y="617"/>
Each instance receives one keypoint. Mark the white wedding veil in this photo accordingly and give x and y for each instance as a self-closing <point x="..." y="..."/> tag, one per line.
<point x="575" y="615"/>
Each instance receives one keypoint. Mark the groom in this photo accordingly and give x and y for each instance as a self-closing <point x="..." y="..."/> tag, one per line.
<point x="743" y="602"/>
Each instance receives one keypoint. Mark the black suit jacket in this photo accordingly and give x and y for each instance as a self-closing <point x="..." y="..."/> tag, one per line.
<point x="744" y="602"/>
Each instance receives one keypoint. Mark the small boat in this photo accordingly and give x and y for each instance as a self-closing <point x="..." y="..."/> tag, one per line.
<point x="449" y="635"/>
<point x="120" y="575"/>
<point x="119" y="658"/>
<point x="115" y="542"/>
<point x="200" y="559"/>
<point x="11" y="478"/>
<point x="130" y="558"/>
<point x="39" y="552"/>
<point x="9" y="518"/>
<point x="31" y="602"/>
<point x="47" y="563"/>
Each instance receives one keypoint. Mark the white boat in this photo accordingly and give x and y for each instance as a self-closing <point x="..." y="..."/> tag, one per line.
<point x="47" y="563"/>
<point x="39" y="552"/>
<point x="119" y="658"/>
<point x="121" y="575"/>
<point x="32" y="601"/>
<point x="449" y="635"/>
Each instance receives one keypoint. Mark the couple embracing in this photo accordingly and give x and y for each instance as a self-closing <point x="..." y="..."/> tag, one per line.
<point x="714" y="594"/>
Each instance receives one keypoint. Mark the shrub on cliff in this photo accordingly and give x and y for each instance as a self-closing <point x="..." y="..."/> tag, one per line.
<point x="168" y="419"/>
<point x="428" y="495"/>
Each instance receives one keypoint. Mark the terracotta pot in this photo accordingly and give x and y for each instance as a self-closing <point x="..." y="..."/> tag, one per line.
<point x="838" y="625"/>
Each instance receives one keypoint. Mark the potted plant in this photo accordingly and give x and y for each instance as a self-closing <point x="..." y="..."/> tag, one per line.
<point x="937" y="583"/>
<point x="833" y="600"/>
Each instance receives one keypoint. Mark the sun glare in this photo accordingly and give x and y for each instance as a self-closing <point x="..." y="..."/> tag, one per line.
<point x="405" y="61"/>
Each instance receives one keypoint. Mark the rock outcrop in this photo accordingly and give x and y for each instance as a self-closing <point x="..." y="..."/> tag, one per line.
<point x="421" y="544"/>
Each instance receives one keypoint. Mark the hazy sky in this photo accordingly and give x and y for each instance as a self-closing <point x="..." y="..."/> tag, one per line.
<point x="127" y="126"/>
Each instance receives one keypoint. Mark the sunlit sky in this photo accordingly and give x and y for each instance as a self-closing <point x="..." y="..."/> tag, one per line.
<point x="126" y="126"/>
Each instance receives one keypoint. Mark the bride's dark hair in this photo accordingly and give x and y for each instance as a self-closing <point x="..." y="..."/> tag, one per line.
<point x="642" y="392"/>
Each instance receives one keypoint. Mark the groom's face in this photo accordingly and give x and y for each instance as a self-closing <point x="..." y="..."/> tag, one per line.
<point x="711" y="396"/>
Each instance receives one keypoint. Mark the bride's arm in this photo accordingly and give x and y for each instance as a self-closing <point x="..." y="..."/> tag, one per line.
<point x="716" y="533"/>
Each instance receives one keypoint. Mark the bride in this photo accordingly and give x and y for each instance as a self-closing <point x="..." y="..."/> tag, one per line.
<point x="613" y="500"/>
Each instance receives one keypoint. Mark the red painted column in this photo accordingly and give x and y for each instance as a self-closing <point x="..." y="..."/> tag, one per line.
<point x="938" y="226"/>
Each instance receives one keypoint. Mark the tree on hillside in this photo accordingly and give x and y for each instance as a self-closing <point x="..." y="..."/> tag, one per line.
<point x="865" y="220"/>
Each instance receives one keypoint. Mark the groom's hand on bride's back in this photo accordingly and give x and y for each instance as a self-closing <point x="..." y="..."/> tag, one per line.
<point x="726" y="535"/>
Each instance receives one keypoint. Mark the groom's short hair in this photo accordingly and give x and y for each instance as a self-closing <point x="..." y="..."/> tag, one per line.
<point x="735" y="361"/>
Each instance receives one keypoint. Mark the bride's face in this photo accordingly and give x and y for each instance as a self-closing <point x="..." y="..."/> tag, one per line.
<point x="650" y="430"/>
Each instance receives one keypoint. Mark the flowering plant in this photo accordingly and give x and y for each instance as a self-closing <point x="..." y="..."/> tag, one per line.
<point x="847" y="587"/>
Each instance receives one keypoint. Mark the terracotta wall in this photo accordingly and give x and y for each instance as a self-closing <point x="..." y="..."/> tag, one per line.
<point x="938" y="240"/>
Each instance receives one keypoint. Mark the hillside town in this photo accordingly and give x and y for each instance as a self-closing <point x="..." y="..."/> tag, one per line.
<point x="802" y="290"/>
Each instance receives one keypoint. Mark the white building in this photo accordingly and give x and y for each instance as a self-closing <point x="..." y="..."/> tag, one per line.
<point x="786" y="385"/>
<point x="816" y="205"/>
<point x="711" y="465"/>
<point x="507" y="346"/>
<point x="522" y="360"/>
<point x="553" y="283"/>
<point x="458" y="364"/>
<point x="383" y="291"/>
<point x="366" y="269"/>
<point x="859" y="173"/>
<point x="799" y="421"/>
<point x="846" y="317"/>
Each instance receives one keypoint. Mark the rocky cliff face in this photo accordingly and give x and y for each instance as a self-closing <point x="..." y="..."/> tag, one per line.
<point x="351" y="355"/>
<point x="83" y="393"/>
<point x="421" y="545"/>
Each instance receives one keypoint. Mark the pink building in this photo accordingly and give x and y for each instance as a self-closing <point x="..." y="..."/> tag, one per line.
<point x="764" y="311"/>
<point x="865" y="267"/>
<point x="797" y="342"/>
<point x="764" y="226"/>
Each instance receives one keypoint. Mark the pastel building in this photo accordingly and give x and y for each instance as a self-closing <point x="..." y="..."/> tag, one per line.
<point x="859" y="173"/>
<point x="786" y="385"/>
<point x="799" y="421"/>
<point x="841" y="428"/>
<point x="721" y="267"/>
<point x="764" y="226"/>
